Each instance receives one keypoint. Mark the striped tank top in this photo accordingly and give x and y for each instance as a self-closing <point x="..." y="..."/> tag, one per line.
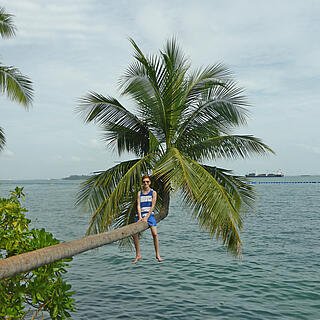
<point x="145" y="203"/>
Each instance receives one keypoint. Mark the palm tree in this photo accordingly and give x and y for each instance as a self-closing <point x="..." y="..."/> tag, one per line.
<point x="183" y="119"/>
<point x="17" y="86"/>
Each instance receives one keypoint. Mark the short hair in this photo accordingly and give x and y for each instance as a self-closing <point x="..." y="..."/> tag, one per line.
<point x="146" y="176"/>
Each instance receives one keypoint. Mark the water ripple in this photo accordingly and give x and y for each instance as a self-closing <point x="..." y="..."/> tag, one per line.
<point x="276" y="279"/>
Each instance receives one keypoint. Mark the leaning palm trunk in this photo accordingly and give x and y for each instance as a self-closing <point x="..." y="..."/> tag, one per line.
<point x="34" y="259"/>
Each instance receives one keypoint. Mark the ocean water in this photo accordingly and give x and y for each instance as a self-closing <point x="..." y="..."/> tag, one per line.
<point x="277" y="278"/>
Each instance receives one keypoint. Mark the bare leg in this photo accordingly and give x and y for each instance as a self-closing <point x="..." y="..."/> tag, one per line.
<point x="156" y="242"/>
<point x="137" y="246"/>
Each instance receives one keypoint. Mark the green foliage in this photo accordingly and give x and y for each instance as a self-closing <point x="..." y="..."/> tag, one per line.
<point x="40" y="290"/>
<point x="2" y="139"/>
<point x="7" y="28"/>
<point x="17" y="86"/>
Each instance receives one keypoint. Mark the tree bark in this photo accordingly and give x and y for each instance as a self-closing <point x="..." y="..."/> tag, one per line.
<point x="34" y="259"/>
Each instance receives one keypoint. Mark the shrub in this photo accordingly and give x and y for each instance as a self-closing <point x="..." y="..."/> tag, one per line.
<point x="40" y="290"/>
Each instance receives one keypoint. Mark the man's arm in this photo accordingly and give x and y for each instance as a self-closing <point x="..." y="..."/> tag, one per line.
<point x="139" y="206"/>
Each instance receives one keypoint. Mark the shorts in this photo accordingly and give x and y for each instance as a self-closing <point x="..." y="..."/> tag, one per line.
<point x="151" y="220"/>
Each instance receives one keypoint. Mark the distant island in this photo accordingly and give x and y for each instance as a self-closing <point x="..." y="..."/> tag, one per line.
<point x="77" y="177"/>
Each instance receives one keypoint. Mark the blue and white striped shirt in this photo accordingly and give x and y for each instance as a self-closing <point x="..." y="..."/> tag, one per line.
<point x="145" y="203"/>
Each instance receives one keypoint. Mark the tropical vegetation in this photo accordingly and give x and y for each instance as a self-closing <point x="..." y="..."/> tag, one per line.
<point x="180" y="120"/>
<point x="32" y="293"/>
<point x="17" y="86"/>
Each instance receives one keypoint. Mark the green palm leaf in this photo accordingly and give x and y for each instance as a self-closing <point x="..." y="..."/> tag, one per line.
<point x="150" y="71"/>
<point x="17" y="86"/>
<point x="211" y="202"/>
<point x="136" y="84"/>
<point x="221" y="106"/>
<point x="121" y="125"/>
<point x="2" y="139"/>
<point x="157" y="85"/>
<point x="228" y="147"/>
<point x="108" y="193"/>
<point x="7" y="28"/>
<point x="201" y="80"/>
<point x="241" y="192"/>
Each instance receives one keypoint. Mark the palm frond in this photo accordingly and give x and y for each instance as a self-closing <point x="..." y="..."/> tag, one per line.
<point x="17" y="86"/>
<point x="125" y="139"/>
<point x="111" y="116"/>
<point x="238" y="187"/>
<point x="174" y="58"/>
<point x="107" y="194"/>
<point x="104" y="110"/>
<point x="137" y="85"/>
<point x="201" y="80"/>
<point x="2" y="139"/>
<point x="222" y="105"/>
<point x="156" y="84"/>
<point x="148" y="80"/>
<point x="7" y="28"/>
<point x="200" y="132"/>
<point x="176" y="66"/>
<point x="147" y="76"/>
<point x="225" y="146"/>
<point x="213" y="205"/>
<point x="197" y="88"/>
<point x="149" y="70"/>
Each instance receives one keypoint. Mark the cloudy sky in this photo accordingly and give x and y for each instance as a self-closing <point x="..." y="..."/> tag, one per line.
<point x="69" y="47"/>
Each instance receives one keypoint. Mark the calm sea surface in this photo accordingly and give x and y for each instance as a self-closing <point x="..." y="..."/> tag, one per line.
<point x="278" y="277"/>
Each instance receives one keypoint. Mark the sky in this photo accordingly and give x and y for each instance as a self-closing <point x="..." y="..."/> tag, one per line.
<point x="69" y="48"/>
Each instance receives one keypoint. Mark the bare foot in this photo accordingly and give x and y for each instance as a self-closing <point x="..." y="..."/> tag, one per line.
<point x="159" y="259"/>
<point x="136" y="259"/>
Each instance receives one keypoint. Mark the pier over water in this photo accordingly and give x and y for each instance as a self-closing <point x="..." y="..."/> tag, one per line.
<point x="285" y="180"/>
